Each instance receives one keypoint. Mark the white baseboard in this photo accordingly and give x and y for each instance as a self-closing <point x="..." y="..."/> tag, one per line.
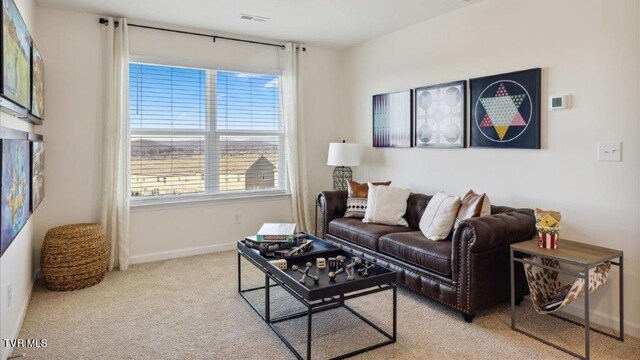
<point x="174" y="254"/>
<point x="6" y="351"/>
<point x="630" y="328"/>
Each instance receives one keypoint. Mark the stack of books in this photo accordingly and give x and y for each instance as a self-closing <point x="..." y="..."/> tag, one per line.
<point x="556" y="298"/>
<point x="279" y="240"/>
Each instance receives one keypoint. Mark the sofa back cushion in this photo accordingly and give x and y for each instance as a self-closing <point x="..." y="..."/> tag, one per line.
<point x="415" y="208"/>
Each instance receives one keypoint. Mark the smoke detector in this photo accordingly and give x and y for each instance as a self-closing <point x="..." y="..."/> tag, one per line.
<point x="255" y="18"/>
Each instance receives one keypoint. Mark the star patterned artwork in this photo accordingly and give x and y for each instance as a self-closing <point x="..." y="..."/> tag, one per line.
<point x="440" y="115"/>
<point x="505" y="110"/>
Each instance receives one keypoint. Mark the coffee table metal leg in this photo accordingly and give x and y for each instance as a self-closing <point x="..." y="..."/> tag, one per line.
<point x="267" y="301"/>
<point x="309" y="320"/>
<point x="239" y="272"/>
<point x="395" y="312"/>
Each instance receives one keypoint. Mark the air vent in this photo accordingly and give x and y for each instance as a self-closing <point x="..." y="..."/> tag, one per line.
<point x="255" y="18"/>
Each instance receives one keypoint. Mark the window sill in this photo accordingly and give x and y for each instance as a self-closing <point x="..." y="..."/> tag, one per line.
<point x="169" y="201"/>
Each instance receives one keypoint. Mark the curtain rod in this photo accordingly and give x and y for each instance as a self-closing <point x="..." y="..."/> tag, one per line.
<point x="105" y="22"/>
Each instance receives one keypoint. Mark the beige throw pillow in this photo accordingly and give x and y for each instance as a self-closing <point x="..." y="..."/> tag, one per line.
<point x="386" y="205"/>
<point x="438" y="218"/>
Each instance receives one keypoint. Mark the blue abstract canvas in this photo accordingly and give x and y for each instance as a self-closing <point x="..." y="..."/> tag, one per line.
<point x="15" y="192"/>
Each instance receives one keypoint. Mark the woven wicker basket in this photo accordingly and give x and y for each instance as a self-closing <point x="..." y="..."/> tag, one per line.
<point x="74" y="256"/>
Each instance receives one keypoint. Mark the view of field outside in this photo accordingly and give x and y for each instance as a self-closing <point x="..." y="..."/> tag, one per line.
<point x="177" y="149"/>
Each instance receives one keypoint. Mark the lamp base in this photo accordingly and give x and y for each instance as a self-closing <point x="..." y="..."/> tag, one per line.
<point x="340" y="176"/>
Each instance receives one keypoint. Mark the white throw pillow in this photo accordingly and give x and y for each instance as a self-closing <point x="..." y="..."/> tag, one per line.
<point x="438" y="218"/>
<point x="386" y="205"/>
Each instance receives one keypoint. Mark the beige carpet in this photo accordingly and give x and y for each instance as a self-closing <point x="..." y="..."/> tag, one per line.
<point x="189" y="309"/>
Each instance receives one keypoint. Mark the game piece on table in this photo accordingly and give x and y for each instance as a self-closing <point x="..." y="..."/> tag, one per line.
<point x="321" y="263"/>
<point x="280" y="264"/>
<point x="305" y="273"/>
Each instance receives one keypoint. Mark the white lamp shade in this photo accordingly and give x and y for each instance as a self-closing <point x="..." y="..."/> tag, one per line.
<point x="343" y="154"/>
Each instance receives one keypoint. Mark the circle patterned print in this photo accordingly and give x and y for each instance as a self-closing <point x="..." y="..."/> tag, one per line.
<point x="503" y="111"/>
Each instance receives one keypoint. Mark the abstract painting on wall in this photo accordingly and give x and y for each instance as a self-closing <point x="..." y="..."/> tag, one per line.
<point x="14" y="192"/>
<point x="440" y="115"/>
<point x="505" y="110"/>
<point x="16" y="56"/>
<point x="37" y="174"/>
<point x="392" y="119"/>
<point x="37" y="88"/>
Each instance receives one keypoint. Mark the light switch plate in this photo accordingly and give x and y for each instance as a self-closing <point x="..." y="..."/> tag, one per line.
<point x="610" y="151"/>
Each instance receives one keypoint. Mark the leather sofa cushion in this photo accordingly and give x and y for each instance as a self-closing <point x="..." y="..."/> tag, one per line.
<point x="415" y="248"/>
<point x="356" y="231"/>
<point x="416" y="204"/>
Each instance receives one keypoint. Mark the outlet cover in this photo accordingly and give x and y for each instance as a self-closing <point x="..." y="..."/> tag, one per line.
<point x="236" y="218"/>
<point x="9" y="295"/>
<point x="610" y="151"/>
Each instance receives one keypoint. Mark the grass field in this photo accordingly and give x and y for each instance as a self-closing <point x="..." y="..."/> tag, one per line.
<point x="184" y="175"/>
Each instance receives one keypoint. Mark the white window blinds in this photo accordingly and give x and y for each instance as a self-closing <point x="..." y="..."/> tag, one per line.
<point x="201" y="131"/>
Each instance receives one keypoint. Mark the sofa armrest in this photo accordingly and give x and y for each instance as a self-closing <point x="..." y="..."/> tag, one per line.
<point x="333" y="204"/>
<point x="484" y="233"/>
<point x="480" y="257"/>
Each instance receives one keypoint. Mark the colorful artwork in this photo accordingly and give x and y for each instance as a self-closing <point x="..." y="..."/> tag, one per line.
<point x="14" y="193"/>
<point x="440" y="115"/>
<point x="505" y="110"/>
<point x="16" y="55"/>
<point x="37" y="174"/>
<point x="37" y="91"/>
<point x="392" y="119"/>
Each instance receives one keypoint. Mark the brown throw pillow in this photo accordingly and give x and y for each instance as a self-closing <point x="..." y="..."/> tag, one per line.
<point x="472" y="206"/>
<point x="357" y="190"/>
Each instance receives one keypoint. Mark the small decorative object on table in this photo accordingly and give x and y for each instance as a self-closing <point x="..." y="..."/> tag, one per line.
<point x="345" y="268"/>
<point x="365" y="270"/>
<point x="305" y="273"/>
<point x="321" y="263"/>
<point x="548" y="226"/>
<point x="332" y="263"/>
<point x="280" y="263"/>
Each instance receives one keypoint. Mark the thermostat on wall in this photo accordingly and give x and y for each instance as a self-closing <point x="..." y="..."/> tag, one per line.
<point x="560" y="102"/>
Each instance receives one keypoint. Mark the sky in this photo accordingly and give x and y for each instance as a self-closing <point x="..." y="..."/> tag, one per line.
<point x="161" y="94"/>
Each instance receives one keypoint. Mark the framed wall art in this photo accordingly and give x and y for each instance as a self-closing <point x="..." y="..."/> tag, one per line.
<point x="440" y="115"/>
<point x="15" y="189"/>
<point x="37" y="173"/>
<point x="393" y="120"/>
<point x="16" y="56"/>
<point x="37" y="86"/>
<point x="505" y="110"/>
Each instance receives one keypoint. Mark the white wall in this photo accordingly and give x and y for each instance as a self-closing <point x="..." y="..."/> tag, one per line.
<point x="17" y="264"/>
<point x="72" y="51"/>
<point x="586" y="48"/>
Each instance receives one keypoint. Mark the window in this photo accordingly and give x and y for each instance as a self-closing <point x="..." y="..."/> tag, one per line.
<point x="204" y="132"/>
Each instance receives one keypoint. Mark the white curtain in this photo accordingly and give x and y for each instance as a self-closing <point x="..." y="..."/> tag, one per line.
<point x="116" y="142"/>
<point x="292" y="66"/>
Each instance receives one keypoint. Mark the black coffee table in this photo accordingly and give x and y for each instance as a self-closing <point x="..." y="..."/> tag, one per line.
<point x="325" y="295"/>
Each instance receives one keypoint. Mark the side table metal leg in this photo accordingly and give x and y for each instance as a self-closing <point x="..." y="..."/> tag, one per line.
<point x="309" y="316"/>
<point x="513" y="291"/>
<point x="587" y="324"/>
<point x="621" y="295"/>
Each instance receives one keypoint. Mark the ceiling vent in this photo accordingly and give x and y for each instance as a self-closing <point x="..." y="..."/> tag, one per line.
<point x="255" y="18"/>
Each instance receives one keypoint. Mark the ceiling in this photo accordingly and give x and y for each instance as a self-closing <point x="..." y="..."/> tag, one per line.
<point x="331" y="23"/>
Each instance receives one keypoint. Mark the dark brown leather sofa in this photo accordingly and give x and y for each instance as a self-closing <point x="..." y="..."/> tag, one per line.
<point x="468" y="272"/>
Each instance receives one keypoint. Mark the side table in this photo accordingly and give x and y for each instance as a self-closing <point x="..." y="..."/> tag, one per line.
<point x="583" y="257"/>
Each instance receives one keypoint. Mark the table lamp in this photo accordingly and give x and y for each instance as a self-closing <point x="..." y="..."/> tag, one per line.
<point x="342" y="155"/>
